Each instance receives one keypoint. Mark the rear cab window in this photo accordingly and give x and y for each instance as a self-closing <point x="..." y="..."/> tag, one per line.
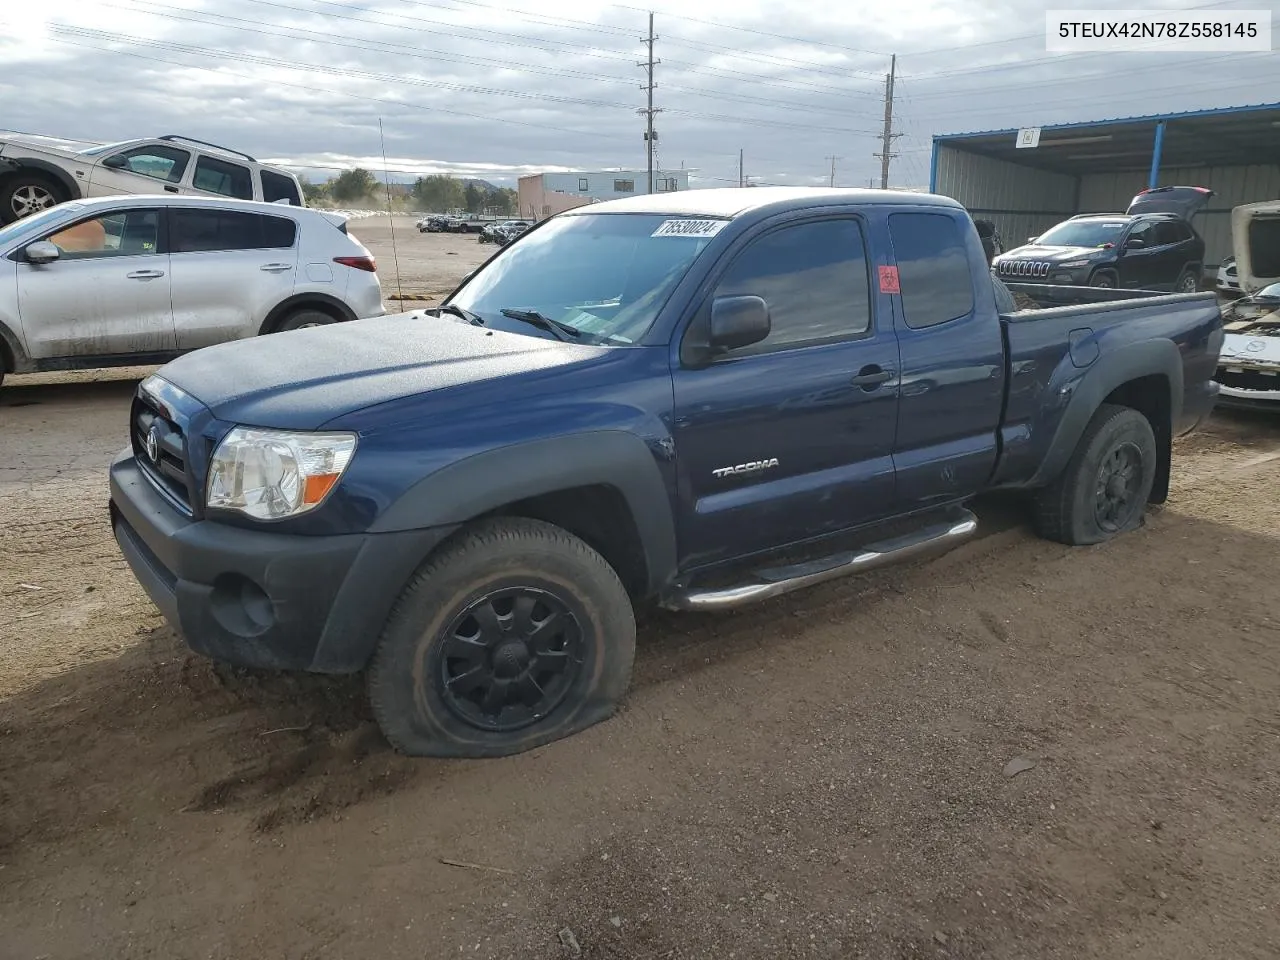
<point x="934" y="274"/>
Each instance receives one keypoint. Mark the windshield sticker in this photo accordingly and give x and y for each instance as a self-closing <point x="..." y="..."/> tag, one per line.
<point x="689" y="228"/>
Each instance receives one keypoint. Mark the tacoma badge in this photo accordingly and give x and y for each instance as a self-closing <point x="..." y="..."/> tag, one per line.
<point x="751" y="467"/>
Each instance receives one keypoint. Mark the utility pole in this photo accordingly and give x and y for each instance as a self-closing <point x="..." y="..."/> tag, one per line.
<point x="887" y="136"/>
<point x="742" y="180"/>
<point x="649" y="135"/>
<point x="833" y="168"/>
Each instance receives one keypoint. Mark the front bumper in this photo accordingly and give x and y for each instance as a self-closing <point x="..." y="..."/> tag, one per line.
<point x="261" y="599"/>
<point x="1249" y="399"/>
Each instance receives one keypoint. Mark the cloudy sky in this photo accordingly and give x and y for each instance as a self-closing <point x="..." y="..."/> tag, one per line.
<point x="497" y="90"/>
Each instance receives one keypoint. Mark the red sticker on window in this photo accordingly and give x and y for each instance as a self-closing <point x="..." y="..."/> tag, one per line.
<point x="889" y="280"/>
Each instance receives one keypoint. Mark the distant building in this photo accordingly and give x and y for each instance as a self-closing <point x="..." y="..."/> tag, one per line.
<point x="546" y="194"/>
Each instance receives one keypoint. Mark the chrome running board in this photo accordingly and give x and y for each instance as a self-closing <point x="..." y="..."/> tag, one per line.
<point x="775" y="581"/>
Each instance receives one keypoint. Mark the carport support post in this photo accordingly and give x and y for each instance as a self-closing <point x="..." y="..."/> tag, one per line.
<point x="1154" y="180"/>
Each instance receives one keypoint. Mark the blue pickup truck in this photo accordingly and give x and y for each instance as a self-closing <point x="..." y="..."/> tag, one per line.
<point x="697" y="399"/>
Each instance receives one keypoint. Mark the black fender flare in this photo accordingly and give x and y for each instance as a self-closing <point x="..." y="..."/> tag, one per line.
<point x="19" y="164"/>
<point x="1113" y="369"/>
<point x="284" y="307"/>
<point x="488" y="481"/>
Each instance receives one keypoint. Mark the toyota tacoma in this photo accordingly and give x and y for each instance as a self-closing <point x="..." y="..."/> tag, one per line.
<point x="698" y="400"/>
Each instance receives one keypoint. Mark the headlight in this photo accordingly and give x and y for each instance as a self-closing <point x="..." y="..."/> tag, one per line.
<point x="271" y="474"/>
<point x="1074" y="263"/>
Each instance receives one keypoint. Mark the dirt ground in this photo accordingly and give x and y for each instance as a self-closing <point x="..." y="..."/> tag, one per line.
<point x="819" y="777"/>
<point x="418" y="266"/>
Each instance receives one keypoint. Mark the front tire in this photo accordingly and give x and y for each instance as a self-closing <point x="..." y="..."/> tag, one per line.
<point x="26" y="193"/>
<point x="1104" y="279"/>
<point x="1103" y="490"/>
<point x="515" y="635"/>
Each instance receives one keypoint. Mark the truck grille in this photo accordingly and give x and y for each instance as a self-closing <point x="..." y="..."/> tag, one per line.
<point x="160" y="449"/>
<point x="1024" y="268"/>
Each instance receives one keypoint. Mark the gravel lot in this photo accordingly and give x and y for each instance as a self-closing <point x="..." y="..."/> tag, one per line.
<point x="419" y="266"/>
<point x="819" y="777"/>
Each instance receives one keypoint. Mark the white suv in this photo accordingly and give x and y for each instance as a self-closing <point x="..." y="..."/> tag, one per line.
<point x="37" y="173"/>
<point x="138" y="280"/>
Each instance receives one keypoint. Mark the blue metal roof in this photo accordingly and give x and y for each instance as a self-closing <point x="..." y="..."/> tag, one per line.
<point x="1149" y="118"/>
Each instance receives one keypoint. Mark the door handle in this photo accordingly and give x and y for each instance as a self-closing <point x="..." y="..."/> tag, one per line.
<point x="871" y="377"/>
<point x="145" y="274"/>
<point x="276" y="267"/>
<point x="171" y="189"/>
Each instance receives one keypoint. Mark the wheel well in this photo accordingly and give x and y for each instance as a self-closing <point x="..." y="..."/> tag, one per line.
<point x="48" y="172"/>
<point x="599" y="516"/>
<point x="306" y="301"/>
<point x="1151" y="397"/>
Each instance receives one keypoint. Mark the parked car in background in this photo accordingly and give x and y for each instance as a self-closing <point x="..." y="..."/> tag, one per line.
<point x="125" y="280"/>
<point x="1249" y="368"/>
<point x="36" y="174"/>
<point x="1151" y="246"/>
<point x="432" y="224"/>
<point x="503" y="232"/>
<point x="1255" y="243"/>
<point x="1228" y="276"/>
<point x="701" y="399"/>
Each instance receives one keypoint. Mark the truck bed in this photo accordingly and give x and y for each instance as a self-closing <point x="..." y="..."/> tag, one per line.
<point x="1050" y="348"/>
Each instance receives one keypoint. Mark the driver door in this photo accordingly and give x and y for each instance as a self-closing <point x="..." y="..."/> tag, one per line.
<point x="150" y="168"/>
<point x="1140" y="266"/>
<point x="107" y="294"/>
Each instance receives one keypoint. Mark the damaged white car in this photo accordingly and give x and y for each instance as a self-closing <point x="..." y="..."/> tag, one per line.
<point x="1249" y="367"/>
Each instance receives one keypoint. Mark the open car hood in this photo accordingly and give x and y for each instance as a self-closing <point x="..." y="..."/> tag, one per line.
<point x="1185" y="202"/>
<point x="1255" y="237"/>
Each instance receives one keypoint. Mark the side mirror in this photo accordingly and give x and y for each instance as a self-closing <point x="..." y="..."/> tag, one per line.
<point x="738" y="322"/>
<point x="42" y="251"/>
<point x="1134" y="244"/>
<point x="1032" y="239"/>
<point x="116" y="162"/>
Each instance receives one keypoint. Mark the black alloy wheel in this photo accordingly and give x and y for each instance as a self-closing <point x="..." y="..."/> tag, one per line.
<point x="1119" y="488"/>
<point x="509" y="658"/>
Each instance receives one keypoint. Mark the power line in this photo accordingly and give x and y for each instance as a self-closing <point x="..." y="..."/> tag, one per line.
<point x="417" y="81"/>
<point x="372" y="45"/>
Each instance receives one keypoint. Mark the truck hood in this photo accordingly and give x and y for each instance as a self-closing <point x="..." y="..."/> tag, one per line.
<point x="302" y="379"/>
<point x="1185" y="202"/>
<point x="1255" y="239"/>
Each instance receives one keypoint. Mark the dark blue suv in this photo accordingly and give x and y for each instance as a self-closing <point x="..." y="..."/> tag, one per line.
<point x="1151" y="246"/>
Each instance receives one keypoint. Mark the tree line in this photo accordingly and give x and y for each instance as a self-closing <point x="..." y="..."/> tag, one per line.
<point x="435" y="193"/>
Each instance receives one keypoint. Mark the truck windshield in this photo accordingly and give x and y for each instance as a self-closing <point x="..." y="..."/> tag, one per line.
<point x="1083" y="233"/>
<point x="606" y="275"/>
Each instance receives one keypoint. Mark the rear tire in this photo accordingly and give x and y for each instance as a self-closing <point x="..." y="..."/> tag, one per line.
<point x="304" y="318"/>
<point x="1188" y="282"/>
<point x="26" y="193"/>
<point x="1103" y="490"/>
<point x="513" y="636"/>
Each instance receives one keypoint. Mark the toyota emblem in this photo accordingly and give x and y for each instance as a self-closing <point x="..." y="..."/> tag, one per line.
<point x="153" y="444"/>
<point x="1255" y="346"/>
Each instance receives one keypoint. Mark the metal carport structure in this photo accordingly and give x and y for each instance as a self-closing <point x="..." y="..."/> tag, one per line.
<point x="1098" y="166"/>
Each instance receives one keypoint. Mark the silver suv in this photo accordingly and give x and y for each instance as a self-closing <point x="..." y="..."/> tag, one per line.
<point x="36" y="173"/>
<point x="138" y="280"/>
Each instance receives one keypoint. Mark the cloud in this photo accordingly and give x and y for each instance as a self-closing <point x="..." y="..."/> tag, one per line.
<point x="470" y="88"/>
